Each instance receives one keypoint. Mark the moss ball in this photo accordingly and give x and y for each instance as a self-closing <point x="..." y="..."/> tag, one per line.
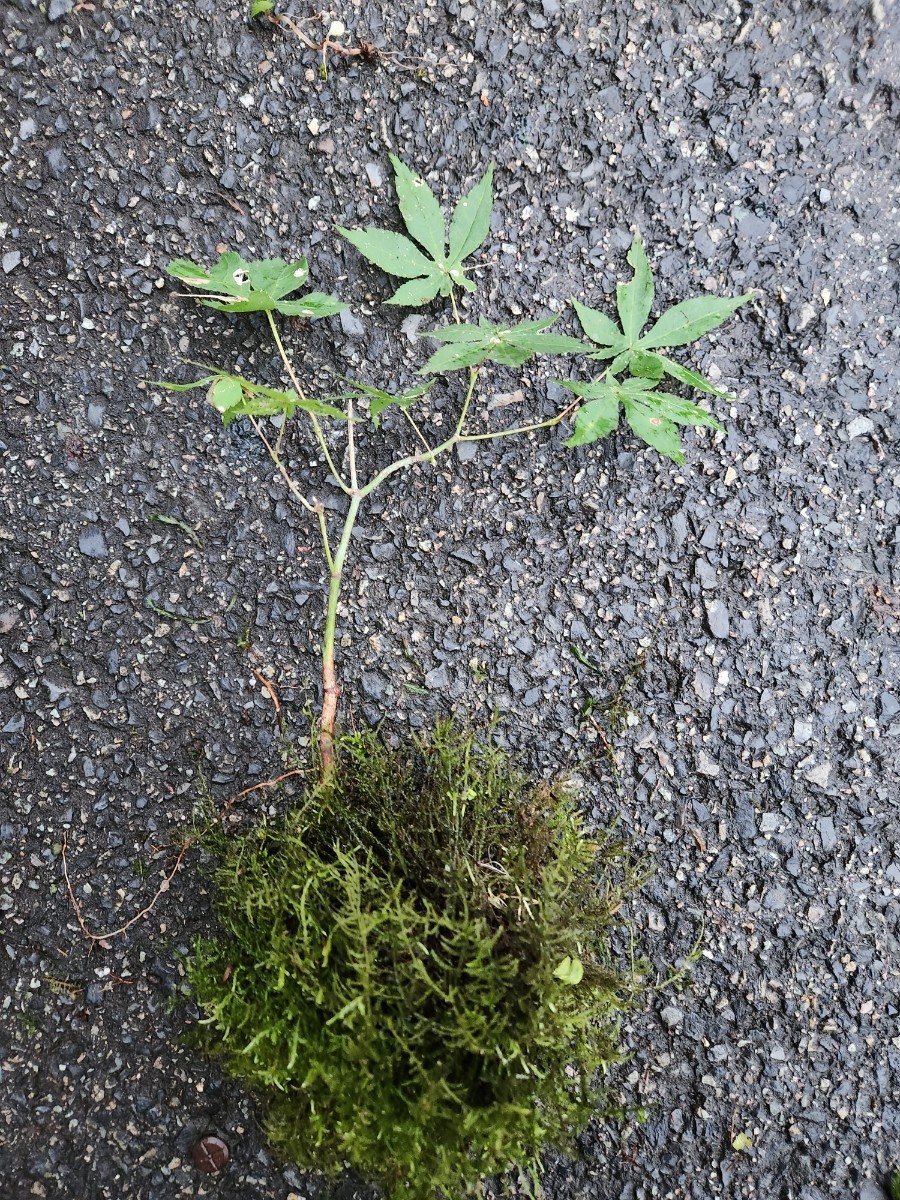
<point x="413" y="968"/>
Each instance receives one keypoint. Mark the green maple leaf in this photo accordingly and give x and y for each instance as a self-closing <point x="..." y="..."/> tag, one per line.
<point x="233" y="285"/>
<point x="431" y="266"/>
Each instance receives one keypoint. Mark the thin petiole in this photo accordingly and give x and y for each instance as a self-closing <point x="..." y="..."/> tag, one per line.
<point x="351" y="446"/>
<point x="473" y="379"/>
<point x="419" y="434"/>
<point x="483" y="437"/>
<point x="317" y="428"/>
<point x="548" y="424"/>
<point x="295" y="491"/>
<point x="281" y="429"/>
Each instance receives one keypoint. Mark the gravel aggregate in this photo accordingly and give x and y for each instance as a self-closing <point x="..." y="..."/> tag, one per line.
<point x="744" y="609"/>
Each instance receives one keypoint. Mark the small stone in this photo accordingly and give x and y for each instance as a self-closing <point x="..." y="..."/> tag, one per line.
<point x="59" y="8"/>
<point x="55" y="690"/>
<point x="806" y="316"/>
<point x="27" y="129"/>
<point x="775" y="898"/>
<point x="717" y="616"/>
<point x="410" y="328"/>
<point x="9" y="618"/>
<point x="375" y="687"/>
<point x="57" y="163"/>
<point x="768" y="822"/>
<point x="437" y="679"/>
<point x="825" y="825"/>
<point x="803" y="730"/>
<point x="889" y="706"/>
<point x="745" y="820"/>
<point x="671" y="1017"/>
<point x="92" y="543"/>
<point x="706" y="766"/>
<point x="351" y="325"/>
<point x="819" y="774"/>
<point x="95" y="415"/>
<point x="859" y="426"/>
<point x="703" y="685"/>
<point x="7" y="678"/>
<point x="373" y="172"/>
<point x="466" y="451"/>
<point x="210" y="1155"/>
<point x="10" y="261"/>
<point x="706" y="574"/>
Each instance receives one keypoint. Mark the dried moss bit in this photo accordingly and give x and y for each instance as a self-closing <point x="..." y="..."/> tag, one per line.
<point x="397" y="967"/>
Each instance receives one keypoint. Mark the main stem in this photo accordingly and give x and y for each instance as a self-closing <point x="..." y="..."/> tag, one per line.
<point x="330" y="687"/>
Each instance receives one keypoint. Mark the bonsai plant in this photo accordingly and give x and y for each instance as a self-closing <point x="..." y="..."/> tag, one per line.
<point x="415" y="969"/>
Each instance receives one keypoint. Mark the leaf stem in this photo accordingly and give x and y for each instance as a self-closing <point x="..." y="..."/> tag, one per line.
<point x="548" y="424"/>
<point x="410" y="460"/>
<point x="351" y="447"/>
<point x="323" y="529"/>
<point x="273" y="454"/>
<point x="312" y="416"/>
<point x="419" y="434"/>
<point x="473" y="379"/>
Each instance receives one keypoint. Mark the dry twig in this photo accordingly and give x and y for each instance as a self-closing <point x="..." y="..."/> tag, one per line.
<point x="102" y="938"/>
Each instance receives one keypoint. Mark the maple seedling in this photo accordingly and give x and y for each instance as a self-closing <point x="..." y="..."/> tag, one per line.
<point x="432" y="262"/>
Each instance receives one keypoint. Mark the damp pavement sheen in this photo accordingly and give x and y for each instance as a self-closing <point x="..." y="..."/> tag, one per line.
<point x="754" y="147"/>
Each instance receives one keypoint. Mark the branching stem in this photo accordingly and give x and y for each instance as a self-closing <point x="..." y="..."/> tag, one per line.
<point x="351" y="447"/>
<point x="336" y="559"/>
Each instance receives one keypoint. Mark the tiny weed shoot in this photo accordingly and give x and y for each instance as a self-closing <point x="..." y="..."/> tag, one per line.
<point x="432" y="259"/>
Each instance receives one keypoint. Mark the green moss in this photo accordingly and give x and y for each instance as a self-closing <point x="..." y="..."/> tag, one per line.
<point x="393" y="973"/>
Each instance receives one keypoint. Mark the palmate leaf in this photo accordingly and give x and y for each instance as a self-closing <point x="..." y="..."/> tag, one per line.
<point x="233" y="285"/>
<point x="598" y="417"/>
<point x="233" y="396"/>
<point x="690" y="320"/>
<point x="431" y="269"/>
<point x="469" y="345"/>
<point x="471" y="220"/>
<point x="600" y="328"/>
<point x="654" y="416"/>
<point x="392" y="252"/>
<point x="657" y="431"/>
<point x="419" y="291"/>
<point x="678" y="326"/>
